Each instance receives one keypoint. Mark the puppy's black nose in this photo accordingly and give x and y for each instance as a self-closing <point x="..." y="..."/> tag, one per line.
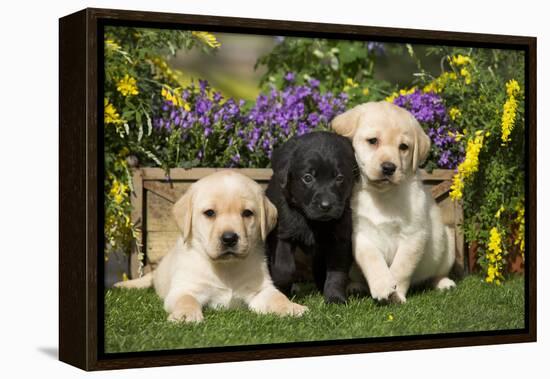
<point x="388" y="168"/>
<point x="229" y="238"/>
<point x="325" y="205"/>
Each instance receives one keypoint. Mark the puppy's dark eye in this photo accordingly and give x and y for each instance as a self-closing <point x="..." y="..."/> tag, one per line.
<point x="403" y="147"/>
<point x="372" y="141"/>
<point x="307" y="178"/>
<point x="340" y="178"/>
<point x="209" y="213"/>
<point x="247" y="213"/>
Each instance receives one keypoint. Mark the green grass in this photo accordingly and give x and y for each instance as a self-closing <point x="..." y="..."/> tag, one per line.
<point x="136" y="321"/>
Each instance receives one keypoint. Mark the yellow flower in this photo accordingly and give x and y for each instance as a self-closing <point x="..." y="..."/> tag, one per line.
<point x="520" y="235"/>
<point x="460" y="60"/>
<point x="350" y="84"/>
<point x="500" y="210"/>
<point x="174" y="96"/>
<point x="494" y="257"/>
<point x="127" y="86"/>
<point x="438" y="84"/>
<point x="457" y="136"/>
<point x="466" y="74"/>
<point x="454" y="113"/>
<point x="366" y="91"/>
<point x="118" y="191"/>
<point x="401" y="92"/>
<point x="468" y="167"/>
<point x="512" y="88"/>
<point x="392" y="97"/>
<point x="495" y="241"/>
<point x="207" y="38"/>
<point x="509" y="112"/>
<point x="111" y="45"/>
<point x="110" y="114"/>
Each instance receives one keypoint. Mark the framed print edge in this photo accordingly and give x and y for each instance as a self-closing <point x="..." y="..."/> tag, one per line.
<point x="81" y="202"/>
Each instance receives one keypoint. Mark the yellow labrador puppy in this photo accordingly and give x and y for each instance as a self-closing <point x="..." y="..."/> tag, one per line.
<point x="399" y="238"/>
<point x="219" y="260"/>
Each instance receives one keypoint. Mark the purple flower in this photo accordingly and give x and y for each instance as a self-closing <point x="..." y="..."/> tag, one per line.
<point x="236" y="158"/>
<point x="314" y="83"/>
<point x="203" y="85"/>
<point x="377" y="48"/>
<point x="289" y="77"/>
<point x="252" y="131"/>
<point x="216" y="97"/>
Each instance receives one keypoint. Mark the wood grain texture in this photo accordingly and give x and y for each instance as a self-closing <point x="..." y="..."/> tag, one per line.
<point x="72" y="190"/>
<point x="80" y="282"/>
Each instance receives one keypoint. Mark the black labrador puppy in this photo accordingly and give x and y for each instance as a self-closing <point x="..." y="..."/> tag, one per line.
<point x="313" y="177"/>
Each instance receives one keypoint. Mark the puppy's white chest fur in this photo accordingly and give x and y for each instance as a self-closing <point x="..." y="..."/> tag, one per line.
<point x="388" y="218"/>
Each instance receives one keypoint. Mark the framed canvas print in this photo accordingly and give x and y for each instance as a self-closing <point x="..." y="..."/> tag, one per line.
<point x="238" y="189"/>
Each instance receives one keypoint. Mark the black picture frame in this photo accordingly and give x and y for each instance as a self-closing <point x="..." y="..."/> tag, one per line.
<point x="81" y="193"/>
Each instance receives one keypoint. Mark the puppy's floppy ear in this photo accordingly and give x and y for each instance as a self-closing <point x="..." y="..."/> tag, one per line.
<point x="268" y="216"/>
<point x="422" y="144"/>
<point x="346" y="123"/>
<point x="183" y="213"/>
<point x="280" y="161"/>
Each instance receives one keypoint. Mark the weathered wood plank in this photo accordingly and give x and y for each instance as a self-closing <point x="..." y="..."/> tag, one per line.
<point x="159" y="244"/>
<point x="437" y="175"/>
<point x="260" y="174"/>
<point x="152" y="173"/>
<point x="159" y="213"/>
<point x="441" y="189"/>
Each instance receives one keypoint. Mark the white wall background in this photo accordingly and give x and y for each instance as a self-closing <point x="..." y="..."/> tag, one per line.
<point x="29" y="177"/>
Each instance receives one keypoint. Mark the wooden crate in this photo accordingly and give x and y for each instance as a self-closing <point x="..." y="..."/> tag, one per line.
<point x="154" y="195"/>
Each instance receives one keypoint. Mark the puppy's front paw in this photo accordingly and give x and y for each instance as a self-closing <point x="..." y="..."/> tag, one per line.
<point x="382" y="289"/>
<point x="397" y="298"/>
<point x="289" y="308"/>
<point x="335" y="295"/>
<point x="444" y="284"/>
<point x="186" y="316"/>
<point x="295" y="310"/>
<point x="336" y="298"/>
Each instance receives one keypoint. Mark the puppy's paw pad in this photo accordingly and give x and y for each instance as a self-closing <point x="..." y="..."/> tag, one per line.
<point x="178" y="317"/>
<point x="445" y="284"/>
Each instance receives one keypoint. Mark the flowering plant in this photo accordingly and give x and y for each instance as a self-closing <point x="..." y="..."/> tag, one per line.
<point x="481" y="91"/>
<point x="135" y="67"/>
<point x="199" y="127"/>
